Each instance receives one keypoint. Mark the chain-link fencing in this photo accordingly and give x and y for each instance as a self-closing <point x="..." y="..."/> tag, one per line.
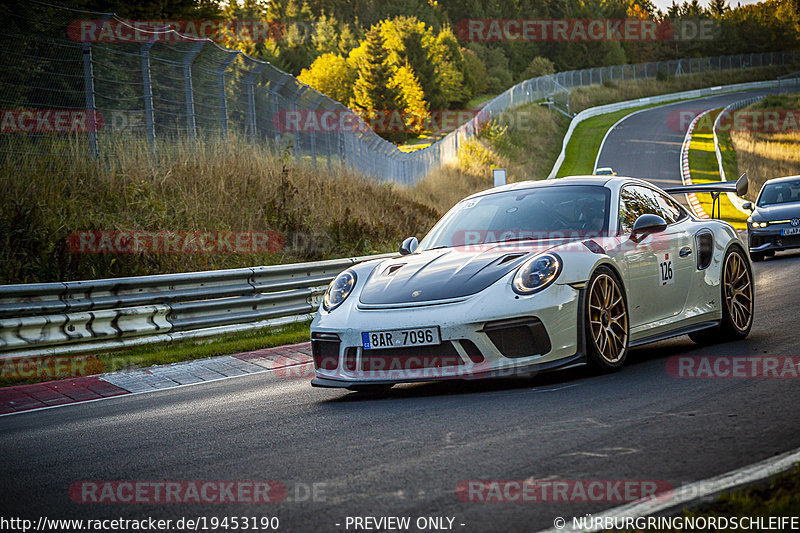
<point x="155" y="84"/>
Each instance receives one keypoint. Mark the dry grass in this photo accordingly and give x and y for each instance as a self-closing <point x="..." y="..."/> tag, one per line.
<point x="765" y="155"/>
<point x="204" y="186"/>
<point x="525" y="141"/>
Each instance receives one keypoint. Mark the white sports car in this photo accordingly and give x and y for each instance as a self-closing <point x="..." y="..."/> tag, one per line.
<point x="536" y="276"/>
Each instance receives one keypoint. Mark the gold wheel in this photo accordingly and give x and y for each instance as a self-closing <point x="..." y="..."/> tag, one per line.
<point x="738" y="289"/>
<point x="608" y="319"/>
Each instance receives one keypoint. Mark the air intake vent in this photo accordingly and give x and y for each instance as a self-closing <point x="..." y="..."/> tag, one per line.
<point x="705" y="249"/>
<point x="325" y="354"/>
<point x="518" y="337"/>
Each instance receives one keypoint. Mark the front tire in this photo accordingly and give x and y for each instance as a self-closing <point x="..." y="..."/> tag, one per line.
<point x="737" y="301"/>
<point x="606" y="321"/>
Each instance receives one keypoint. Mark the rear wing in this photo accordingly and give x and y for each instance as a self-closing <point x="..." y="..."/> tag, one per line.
<point x="739" y="188"/>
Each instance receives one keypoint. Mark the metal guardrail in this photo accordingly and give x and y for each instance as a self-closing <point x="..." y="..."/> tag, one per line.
<point x="80" y="316"/>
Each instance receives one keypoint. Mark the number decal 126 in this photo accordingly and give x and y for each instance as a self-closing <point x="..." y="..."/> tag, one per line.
<point x="665" y="269"/>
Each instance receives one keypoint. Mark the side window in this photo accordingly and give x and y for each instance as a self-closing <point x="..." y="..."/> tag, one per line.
<point x="671" y="209"/>
<point x="636" y="201"/>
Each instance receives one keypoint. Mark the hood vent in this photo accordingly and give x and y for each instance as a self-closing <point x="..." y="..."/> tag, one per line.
<point x="392" y="269"/>
<point x="510" y="257"/>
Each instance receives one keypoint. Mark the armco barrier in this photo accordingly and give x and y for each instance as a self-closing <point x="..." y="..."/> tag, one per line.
<point x="80" y="316"/>
<point x="660" y="99"/>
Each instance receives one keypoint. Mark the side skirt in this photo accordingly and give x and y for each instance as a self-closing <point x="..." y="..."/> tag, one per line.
<point x="675" y="333"/>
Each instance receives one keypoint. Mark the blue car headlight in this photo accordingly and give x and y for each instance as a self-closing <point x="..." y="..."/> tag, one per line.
<point x="537" y="273"/>
<point x="339" y="289"/>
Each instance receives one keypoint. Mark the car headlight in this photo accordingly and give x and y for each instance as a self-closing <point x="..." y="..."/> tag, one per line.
<point x="760" y="224"/>
<point x="338" y="291"/>
<point x="537" y="273"/>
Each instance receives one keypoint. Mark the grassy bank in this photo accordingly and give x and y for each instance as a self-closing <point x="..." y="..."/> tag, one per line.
<point x="193" y="187"/>
<point x="768" y="153"/>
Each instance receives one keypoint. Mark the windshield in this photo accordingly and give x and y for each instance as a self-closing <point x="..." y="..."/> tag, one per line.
<point x="536" y="213"/>
<point x="783" y="192"/>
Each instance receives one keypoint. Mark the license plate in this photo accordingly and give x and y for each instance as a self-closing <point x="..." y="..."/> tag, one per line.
<point x="790" y="231"/>
<point x="399" y="338"/>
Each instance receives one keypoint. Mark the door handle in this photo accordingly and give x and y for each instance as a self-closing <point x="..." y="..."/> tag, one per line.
<point x="685" y="252"/>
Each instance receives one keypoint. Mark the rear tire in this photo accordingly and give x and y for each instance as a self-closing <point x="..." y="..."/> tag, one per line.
<point x="737" y="301"/>
<point x="606" y="321"/>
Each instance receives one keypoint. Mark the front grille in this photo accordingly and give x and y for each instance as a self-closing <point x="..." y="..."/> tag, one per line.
<point x="780" y="241"/>
<point x="410" y="358"/>
<point x="518" y="337"/>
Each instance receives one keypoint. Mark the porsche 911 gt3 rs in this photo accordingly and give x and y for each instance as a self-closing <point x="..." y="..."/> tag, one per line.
<point x="535" y="276"/>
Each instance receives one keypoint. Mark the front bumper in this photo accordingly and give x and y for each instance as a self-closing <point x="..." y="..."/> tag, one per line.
<point x="769" y="239"/>
<point x="491" y="334"/>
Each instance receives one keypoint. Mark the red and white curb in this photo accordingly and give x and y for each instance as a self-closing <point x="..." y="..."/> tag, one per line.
<point x="686" y="175"/>
<point x="24" y="398"/>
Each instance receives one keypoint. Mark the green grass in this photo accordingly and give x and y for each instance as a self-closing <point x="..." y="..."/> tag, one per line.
<point x="704" y="169"/>
<point x="477" y="100"/>
<point x="173" y="352"/>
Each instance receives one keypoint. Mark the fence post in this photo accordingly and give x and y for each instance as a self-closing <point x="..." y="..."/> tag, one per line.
<point x="147" y="90"/>
<point x="191" y="125"/>
<point x="88" y="89"/>
<point x="273" y="89"/>
<point x="223" y="102"/>
<point x="313" y="134"/>
<point x="250" y="124"/>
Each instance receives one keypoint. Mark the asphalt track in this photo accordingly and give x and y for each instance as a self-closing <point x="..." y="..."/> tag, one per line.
<point x="648" y="144"/>
<point x="405" y="452"/>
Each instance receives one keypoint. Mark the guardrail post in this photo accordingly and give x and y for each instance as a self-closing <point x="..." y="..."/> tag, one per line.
<point x="88" y="90"/>
<point x="147" y="90"/>
<point x="250" y="124"/>
<point x="191" y="125"/>
<point x="223" y="101"/>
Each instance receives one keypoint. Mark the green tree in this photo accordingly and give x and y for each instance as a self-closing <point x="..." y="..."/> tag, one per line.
<point x="540" y="66"/>
<point x="332" y="75"/>
<point x="372" y="91"/>
<point x="411" y="102"/>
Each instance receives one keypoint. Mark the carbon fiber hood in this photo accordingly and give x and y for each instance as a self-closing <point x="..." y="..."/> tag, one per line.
<point x="442" y="274"/>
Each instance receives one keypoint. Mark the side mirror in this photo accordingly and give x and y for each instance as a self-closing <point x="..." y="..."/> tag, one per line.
<point x="748" y="206"/>
<point x="647" y="224"/>
<point x="742" y="185"/>
<point x="409" y="246"/>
